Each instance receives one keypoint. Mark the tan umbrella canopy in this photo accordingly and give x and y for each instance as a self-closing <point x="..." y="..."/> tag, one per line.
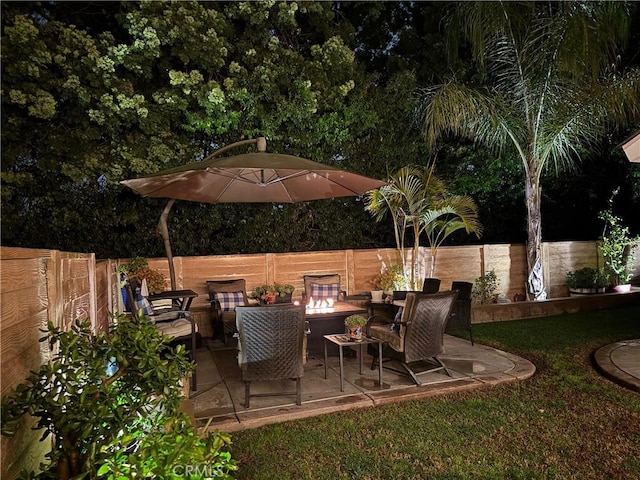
<point x="253" y="177"/>
<point x="631" y="147"/>
<point x="250" y="177"/>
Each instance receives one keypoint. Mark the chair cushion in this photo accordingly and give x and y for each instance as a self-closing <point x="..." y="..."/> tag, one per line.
<point x="178" y="328"/>
<point x="386" y="335"/>
<point x="229" y="300"/>
<point x="325" y="291"/>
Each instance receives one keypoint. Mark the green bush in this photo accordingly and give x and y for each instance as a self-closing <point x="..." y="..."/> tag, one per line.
<point x="587" y="277"/>
<point x="111" y="402"/>
<point x="484" y="288"/>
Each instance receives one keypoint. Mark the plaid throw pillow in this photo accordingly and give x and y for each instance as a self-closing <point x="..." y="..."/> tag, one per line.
<point x="229" y="300"/>
<point x="142" y="303"/>
<point x="323" y="292"/>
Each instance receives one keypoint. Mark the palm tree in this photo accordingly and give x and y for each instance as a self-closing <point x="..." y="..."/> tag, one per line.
<point x="449" y="214"/>
<point x="417" y="199"/>
<point x="552" y="86"/>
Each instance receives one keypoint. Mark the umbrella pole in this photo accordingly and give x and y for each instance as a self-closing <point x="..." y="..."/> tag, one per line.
<point x="163" y="230"/>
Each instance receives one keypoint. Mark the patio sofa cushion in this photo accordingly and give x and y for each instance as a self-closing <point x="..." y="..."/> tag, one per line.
<point x="229" y="300"/>
<point x="325" y="292"/>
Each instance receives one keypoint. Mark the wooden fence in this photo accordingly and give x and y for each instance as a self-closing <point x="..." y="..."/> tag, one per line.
<point x="40" y="286"/>
<point x="37" y="287"/>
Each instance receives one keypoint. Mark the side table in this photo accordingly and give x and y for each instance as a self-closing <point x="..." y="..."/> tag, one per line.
<point x="342" y="340"/>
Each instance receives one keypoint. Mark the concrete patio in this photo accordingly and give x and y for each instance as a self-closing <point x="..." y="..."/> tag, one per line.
<point x="219" y="398"/>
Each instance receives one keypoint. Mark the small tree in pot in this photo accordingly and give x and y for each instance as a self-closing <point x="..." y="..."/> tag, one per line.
<point x="587" y="280"/>
<point x="616" y="246"/>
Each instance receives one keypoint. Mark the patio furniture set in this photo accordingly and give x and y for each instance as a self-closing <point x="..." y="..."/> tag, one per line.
<point x="274" y="340"/>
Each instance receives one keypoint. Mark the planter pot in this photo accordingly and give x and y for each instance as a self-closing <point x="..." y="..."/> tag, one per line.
<point x="285" y="299"/>
<point x="576" y="292"/>
<point x="355" y="334"/>
<point x="376" y="295"/>
<point x="622" y="288"/>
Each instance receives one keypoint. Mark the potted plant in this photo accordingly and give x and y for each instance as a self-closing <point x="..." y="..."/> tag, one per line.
<point x="354" y="324"/>
<point x="587" y="280"/>
<point x="138" y="269"/>
<point x="484" y="288"/>
<point x="390" y="279"/>
<point x="284" y="292"/>
<point x="616" y="246"/>
<point x="264" y="294"/>
<point x="111" y="400"/>
<point x="275" y="293"/>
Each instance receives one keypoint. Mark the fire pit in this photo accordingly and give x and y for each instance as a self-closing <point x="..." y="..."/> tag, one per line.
<point x="327" y="318"/>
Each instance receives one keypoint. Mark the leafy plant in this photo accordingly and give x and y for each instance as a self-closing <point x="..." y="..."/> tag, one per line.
<point x="261" y="292"/>
<point x="416" y="198"/>
<point x="391" y="278"/>
<point x="484" y="288"/>
<point x="587" y="277"/>
<point x="138" y="269"/>
<point x="283" y="289"/>
<point x="616" y="245"/>
<point x="103" y="396"/>
<point x="355" y="321"/>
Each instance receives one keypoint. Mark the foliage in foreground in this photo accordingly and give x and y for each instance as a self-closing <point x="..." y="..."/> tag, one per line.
<point x="566" y="422"/>
<point x="111" y="403"/>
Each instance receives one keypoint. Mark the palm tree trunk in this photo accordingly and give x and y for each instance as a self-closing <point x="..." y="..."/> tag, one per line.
<point x="535" y="279"/>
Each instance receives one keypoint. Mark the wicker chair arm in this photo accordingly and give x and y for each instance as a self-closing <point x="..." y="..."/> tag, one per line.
<point x="216" y="309"/>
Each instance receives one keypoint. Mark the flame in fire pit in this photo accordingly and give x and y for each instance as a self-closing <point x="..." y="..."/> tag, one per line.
<point x="320" y="305"/>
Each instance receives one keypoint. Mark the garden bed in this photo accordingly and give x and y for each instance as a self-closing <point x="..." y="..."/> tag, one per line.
<point x="499" y="312"/>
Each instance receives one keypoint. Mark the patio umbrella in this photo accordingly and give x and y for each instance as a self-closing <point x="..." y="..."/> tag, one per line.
<point x="253" y="177"/>
<point x="250" y="177"/>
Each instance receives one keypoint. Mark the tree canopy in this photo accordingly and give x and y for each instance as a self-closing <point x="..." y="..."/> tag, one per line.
<point x="97" y="92"/>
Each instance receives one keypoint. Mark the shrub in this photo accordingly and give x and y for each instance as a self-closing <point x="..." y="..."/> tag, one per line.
<point x="587" y="277"/>
<point x="484" y="288"/>
<point x="108" y="399"/>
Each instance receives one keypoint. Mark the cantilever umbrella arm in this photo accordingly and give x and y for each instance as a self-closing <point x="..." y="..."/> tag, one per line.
<point x="163" y="228"/>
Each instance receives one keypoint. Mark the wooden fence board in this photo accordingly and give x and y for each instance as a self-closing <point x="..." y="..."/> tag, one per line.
<point x="509" y="263"/>
<point x="37" y="286"/>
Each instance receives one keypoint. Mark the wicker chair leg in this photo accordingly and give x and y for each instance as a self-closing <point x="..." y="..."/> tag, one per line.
<point x="247" y="394"/>
<point x="298" y="391"/>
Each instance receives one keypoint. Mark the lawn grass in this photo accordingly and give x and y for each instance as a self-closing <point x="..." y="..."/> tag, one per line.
<point x="565" y="422"/>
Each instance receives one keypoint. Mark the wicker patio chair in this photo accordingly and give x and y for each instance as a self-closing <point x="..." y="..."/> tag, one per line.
<point x="271" y="345"/>
<point x="431" y="285"/>
<point x="461" y="314"/>
<point x="419" y="337"/>
<point x="176" y="324"/>
<point x="224" y="296"/>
